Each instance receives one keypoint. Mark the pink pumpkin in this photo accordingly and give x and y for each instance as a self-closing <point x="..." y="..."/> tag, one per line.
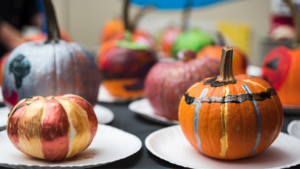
<point x="168" y="81"/>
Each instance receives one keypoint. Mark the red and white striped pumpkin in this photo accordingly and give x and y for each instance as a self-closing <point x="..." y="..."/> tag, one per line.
<point x="52" y="128"/>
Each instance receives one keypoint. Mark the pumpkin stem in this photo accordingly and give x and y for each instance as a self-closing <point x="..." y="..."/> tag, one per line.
<point x="142" y="12"/>
<point x="52" y="25"/>
<point x="296" y="20"/>
<point x="226" y="74"/>
<point x="126" y="21"/>
<point x="186" y="14"/>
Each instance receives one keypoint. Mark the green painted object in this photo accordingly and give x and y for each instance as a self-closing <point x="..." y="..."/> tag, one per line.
<point x="192" y="40"/>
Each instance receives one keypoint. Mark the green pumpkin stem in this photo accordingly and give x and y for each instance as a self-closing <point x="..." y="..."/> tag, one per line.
<point x="186" y="15"/>
<point x="126" y="21"/>
<point x="52" y="24"/>
<point x="142" y="12"/>
<point x="296" y="20"/>
<point x="226" y="74"/>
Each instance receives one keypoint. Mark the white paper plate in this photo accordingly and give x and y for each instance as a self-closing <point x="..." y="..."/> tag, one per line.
<point x="294" y="128"/>
<point x="106" y="97"/>
<point x="254" y="71"/>
<point x="1" y="96"/>
<point x="110" y="144"/>
<point x="142" y="107"/>
<point x="104" y="115"/>
<point x="170" y="144"/>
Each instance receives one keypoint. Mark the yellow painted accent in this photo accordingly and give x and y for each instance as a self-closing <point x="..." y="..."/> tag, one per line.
<point x="278" y="116"/>
<point x="224" y="115"/>
<point x="236" y="34"/>
<point x="30" y="127"/>
<point x="79" y="120"/>
<point x="73" y="95"/>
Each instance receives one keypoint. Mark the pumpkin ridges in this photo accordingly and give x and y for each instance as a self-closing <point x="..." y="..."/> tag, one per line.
<point x="54" y="122"/>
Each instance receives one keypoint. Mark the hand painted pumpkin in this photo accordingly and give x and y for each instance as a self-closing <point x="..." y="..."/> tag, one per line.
<point x="52" y="128"/>
<point x="167" y="81"/>
<point x="230" y="117"/>
<point x="54" y="67"/>
<point x="2" y="66"/>
<point x="280" y="68"/>
<point x="125" y="63"/>
<point x="239" y="61"/>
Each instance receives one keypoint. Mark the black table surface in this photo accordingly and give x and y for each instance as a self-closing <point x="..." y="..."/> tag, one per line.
<point x="129" y="121"/>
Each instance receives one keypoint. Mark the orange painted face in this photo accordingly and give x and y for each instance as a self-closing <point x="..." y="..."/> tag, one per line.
<point x="276" y="66"/>
<point x="52" y="128"/>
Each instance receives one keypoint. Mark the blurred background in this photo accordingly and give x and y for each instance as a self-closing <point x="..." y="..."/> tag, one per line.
<point x="84" y="20"/>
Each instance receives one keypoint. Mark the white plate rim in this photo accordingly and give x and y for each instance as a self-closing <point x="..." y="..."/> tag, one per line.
<point x="289" y="128"/>
<point x="77" y="166"/>
<point x="153" y="117"/>
<point x="149" y="147"/>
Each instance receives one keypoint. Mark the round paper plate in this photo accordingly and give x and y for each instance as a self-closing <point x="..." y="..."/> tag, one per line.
<point x="170" y="144"/>
<point x="104" y="115"/>
<point x="142" y="107"/>
<point x="105" y="148"/>
<point x="106" y="97"/>
<point x="294" y="128"/>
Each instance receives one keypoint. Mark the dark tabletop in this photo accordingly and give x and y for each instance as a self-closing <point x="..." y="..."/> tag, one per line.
<point x="134" y="124"/>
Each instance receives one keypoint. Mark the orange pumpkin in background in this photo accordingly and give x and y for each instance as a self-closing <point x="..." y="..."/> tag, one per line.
<point x="115" y="29"/>
<point x="281" y="67"/>
<point x="239" y="62"/>
<point x="230" y="117"/>
<point x="52" y="128"/>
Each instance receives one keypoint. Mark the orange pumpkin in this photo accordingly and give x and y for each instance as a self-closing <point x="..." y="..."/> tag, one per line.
<point x="111" y="29"/>
<point x="52" y="128"/>
<point x="280" y="68"/>
<point x="239" y="62"/>
<point x="230" y="117"/>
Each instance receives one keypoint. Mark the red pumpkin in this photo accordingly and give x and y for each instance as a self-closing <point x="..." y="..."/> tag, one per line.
<point x="280" y="68"/>
<point x="124" y="65"/>
<point x="167" y="82"/>
<point x="239" y="62"/>
<point x="54" y="67"/>
<point x="52" y="128"/>
<point x="230" y="117"/>
<point x="2" y="66"/>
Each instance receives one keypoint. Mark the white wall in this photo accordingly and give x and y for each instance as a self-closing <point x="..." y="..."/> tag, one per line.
<point x="84" y="18"/>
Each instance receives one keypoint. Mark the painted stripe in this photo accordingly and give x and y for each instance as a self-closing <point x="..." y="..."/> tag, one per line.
<point x="258" y="121"/>
<point x="196" y="119"/>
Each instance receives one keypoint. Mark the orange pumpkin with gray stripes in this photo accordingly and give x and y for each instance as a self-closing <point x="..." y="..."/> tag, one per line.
<point x="231" y="117"/>
<point x="52" y="128"/>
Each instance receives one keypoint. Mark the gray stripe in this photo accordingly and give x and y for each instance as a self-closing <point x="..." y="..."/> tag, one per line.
<point x="258" y="121"/>
<point x="196" y="119"/>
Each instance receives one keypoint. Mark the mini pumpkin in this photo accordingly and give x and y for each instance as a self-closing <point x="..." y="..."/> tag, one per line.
<point x="52" y="128"/>
<point x="281" y="67"/>
<point x="53" y="67"/>
<point x="125" y="63"/>
<point x="239" y="62"/>
<point x="230" y="117"/>
<point x="167" y="81"/>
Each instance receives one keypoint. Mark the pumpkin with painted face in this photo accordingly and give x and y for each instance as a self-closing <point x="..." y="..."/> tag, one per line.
<point x="52" y="128"/>
<point x="53" y="67"/>
<point x="167" y="81"/>
<point x="281" y="67"/>
<point x="230" y="117"/>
